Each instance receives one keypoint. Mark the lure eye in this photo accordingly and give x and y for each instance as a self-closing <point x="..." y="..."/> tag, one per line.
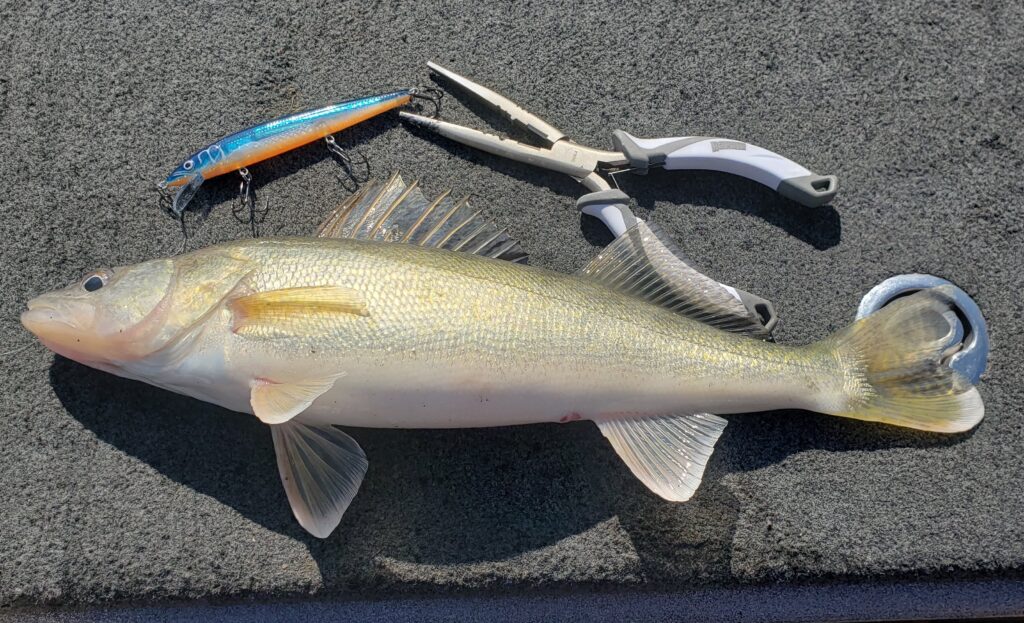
<point x="188" y="165"/>
<point x="93" y="282"/>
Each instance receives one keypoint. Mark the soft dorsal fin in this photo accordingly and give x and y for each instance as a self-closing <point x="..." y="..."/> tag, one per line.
<point x="645" y="263"/>
<point x="398" y="212"/>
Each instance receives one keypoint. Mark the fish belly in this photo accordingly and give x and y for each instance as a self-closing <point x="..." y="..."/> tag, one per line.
<point x="428" y="395"/>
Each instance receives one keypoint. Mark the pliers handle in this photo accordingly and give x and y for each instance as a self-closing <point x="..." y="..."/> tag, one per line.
<point x="779" y="173"/>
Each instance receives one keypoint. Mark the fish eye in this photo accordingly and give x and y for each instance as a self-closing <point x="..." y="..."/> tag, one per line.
<point x="188" y="165"/>
<point x="94" y="282"/>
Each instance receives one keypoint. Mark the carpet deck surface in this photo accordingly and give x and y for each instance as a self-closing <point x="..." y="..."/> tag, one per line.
<point x="114" y="491"/>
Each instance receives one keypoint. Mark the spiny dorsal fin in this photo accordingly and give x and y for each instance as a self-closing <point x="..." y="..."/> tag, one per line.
<point x="645" y="263"/>
<point x="398" y="212"/>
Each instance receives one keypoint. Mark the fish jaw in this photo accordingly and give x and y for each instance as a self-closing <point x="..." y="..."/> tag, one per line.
<point x="63" y="332"/>
<point x="65" y="327"/>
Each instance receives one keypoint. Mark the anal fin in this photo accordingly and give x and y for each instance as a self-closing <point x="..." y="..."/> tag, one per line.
<point x="668" y="453"/>
<point x="321" y="469"/>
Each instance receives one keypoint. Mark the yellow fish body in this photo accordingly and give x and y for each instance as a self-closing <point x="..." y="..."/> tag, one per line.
<point x="388" y="327"/>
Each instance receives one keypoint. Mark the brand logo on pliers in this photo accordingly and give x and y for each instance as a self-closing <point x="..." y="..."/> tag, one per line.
<point x="720" y="145"/>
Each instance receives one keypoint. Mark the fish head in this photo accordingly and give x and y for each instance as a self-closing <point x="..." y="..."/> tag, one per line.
<point x="111" y="319"/>
<point x="108" y="316"/>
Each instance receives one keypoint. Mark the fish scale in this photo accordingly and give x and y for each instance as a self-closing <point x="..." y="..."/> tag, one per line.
<point x="454" y="306"/>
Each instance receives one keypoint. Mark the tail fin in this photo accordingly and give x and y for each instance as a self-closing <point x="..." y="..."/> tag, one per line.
<point x="895" y="370"/>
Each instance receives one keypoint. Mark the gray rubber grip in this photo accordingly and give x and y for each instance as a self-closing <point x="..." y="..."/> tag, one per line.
<point x="611" y="206"/>
<point x="602" y="197"/>
<point x="760" y="308"/>
<point x="810" y="190"/>
<point x="642" y="159"/>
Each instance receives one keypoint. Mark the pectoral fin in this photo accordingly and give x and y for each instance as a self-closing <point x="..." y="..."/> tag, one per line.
<point x="667" y="453"/>
<point x="291" y="311"/>
<point x="321" y="470"/>
<point x="275" y="403"/>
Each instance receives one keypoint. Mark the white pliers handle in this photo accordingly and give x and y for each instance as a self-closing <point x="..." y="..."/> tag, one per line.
<point x="779" y="173"/>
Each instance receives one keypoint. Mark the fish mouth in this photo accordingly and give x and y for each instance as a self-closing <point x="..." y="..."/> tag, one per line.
<point x="61" y="326"/>
<point x="55" y="331"/>
<point x="39" y="317"/>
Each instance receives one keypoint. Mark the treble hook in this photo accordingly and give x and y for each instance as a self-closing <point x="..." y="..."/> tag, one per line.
<point x="347" y="163"/>
<point x="184" y="233"/>
<point x="166" y="200"/>
<point x="166" y="203"/>
<point x="247" y="204"/>
<point x="433" y="95"/>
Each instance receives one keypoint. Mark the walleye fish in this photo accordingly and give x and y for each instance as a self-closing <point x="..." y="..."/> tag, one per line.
<point x="405" y="313"/>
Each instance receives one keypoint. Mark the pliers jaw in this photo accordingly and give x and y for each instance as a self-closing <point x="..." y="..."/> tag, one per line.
<point x="562" y="155"/>
<point x="515" y="113"/>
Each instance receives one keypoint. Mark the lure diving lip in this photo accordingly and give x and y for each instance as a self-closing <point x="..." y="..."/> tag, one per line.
<point x="266" y="140"/>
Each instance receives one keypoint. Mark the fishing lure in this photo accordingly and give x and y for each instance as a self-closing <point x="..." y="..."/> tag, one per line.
<point x="266" y="140"/>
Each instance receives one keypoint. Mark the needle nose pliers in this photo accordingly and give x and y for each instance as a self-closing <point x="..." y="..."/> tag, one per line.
<point x="587" y="164"/>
